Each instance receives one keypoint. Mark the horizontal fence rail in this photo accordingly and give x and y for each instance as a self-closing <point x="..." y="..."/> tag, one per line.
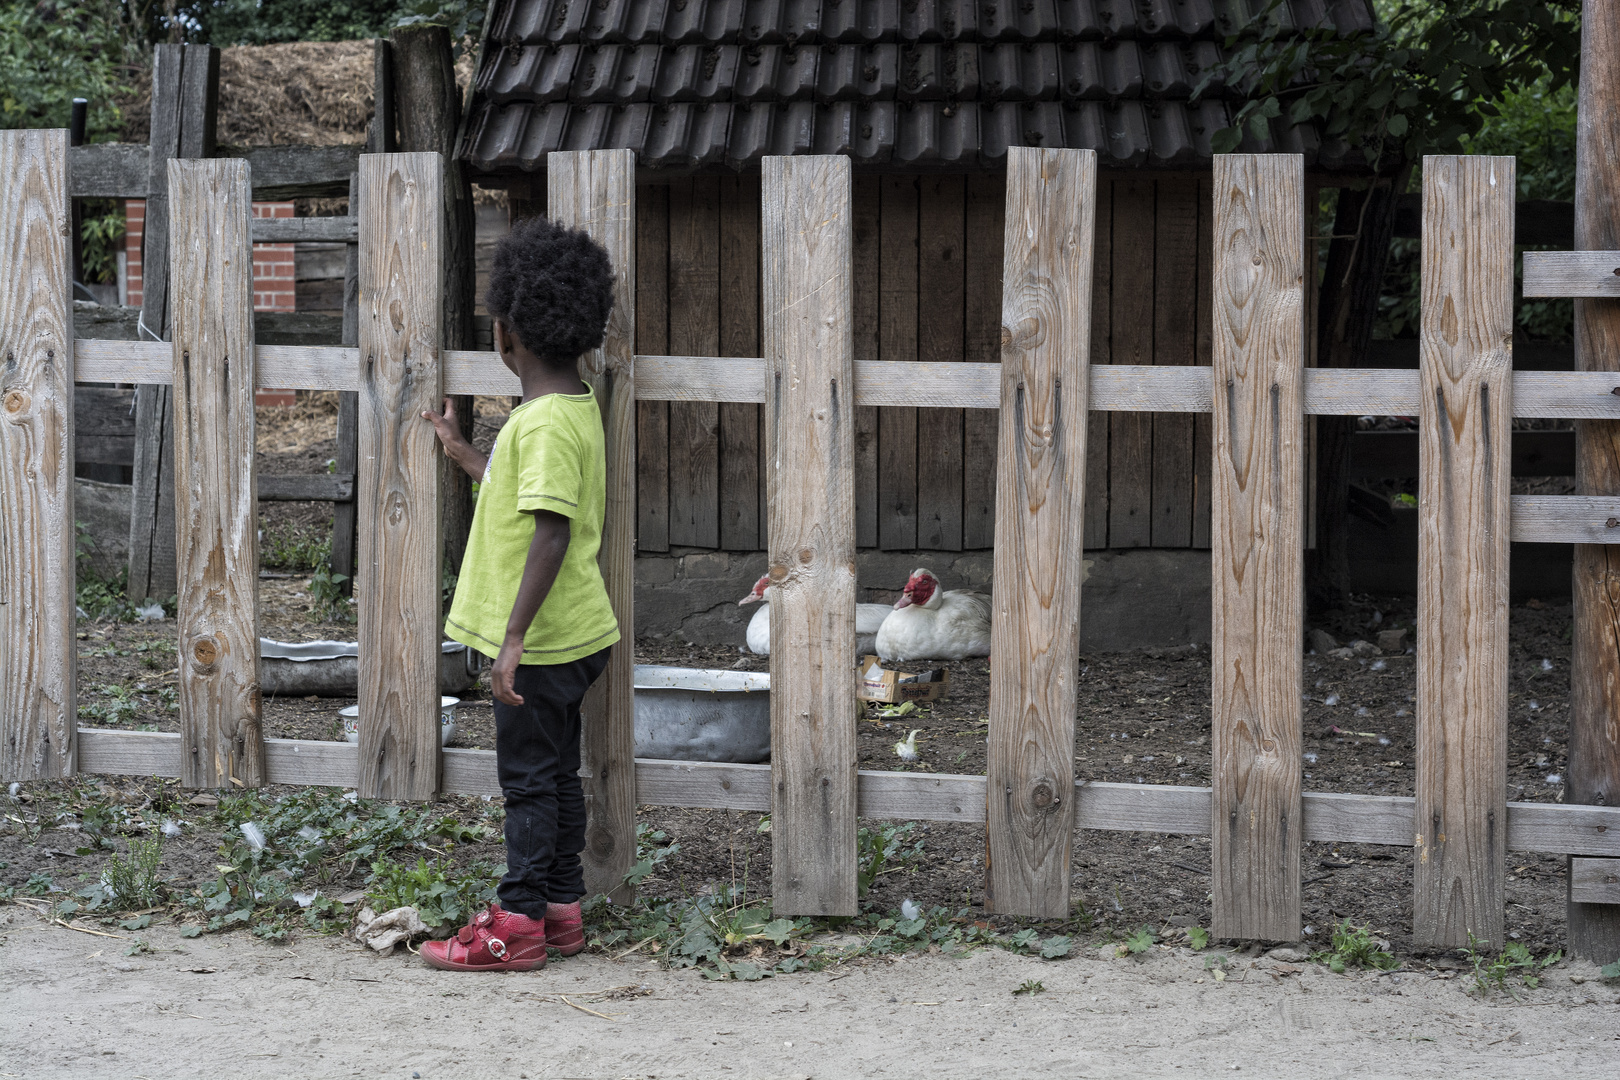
<point x="1543" y="395"/>
<point x="1329" y="817"/>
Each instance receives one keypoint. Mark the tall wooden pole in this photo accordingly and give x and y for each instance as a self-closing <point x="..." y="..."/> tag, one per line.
<point x="1594" y="723"/>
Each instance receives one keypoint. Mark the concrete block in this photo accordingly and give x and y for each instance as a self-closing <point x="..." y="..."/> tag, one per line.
<point x="654" y="570"/>
<point x="103" y="509"/>
<point x="708" y="564"/>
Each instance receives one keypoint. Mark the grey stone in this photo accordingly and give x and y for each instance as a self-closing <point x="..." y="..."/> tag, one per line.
<point x="1392" y="641"/>
<point x="1323" y="642"/>
<point x="652" y="570"/>
<point x="1364" y="648"/>
<point x="709" y="564"/>
<point x="1287" y="955"/>
<point x="103" y="510"/>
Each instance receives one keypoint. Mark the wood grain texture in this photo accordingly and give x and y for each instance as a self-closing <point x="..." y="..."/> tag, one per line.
<point x="694" y="330"/>
<point x="810" y="431"/>
<point x="1256" y="544"/>
<point x="742" y="483"/>
<point x="216" y="519"/>
<point x="1130" y="437"/>
<point x="38" y="651"/>
<point x="1040" y="509"/>
<point x="652" y="336"/>
<point x="1465" y="432"/>
<point x="941" y="285"/>
<point x="1591" y="274"/>
<point x="1565" y="519"/>
<point x="1102" y="277"/>
<point x="981" y="344"/>
<point x="596" y="191"/>
<point x="347" y="458"/>
<point x="1594" y="725"/>
<point x="401" y="541"/>
<point x="1175" y="321"/>
<point x="865" y="247"/>
<point x="1330" y="817"/>
<point x="897" y="340"/>
<point x="1594" y="881"/>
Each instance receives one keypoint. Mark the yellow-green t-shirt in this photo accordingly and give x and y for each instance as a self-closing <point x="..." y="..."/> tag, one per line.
<point x="548" y="456"/>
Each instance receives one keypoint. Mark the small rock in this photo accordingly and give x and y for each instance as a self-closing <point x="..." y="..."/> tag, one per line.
<point x="1363" y="648"/>
<point x="1285" y="955"/>
<point x="1392" y="641"/>
<point x="1342" y="654"/>
<point x="1577" y="979"/>
<point x="1323" y="642"/>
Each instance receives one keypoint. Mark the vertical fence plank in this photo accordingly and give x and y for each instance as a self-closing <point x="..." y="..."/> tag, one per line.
<point x="982" y="232"/>
<point x="940" y="284"/>
<point x="1463" y="491"/>
<point x="897" y="337"/>
<point x="694" y="330"/>
<point x="1204" y="323"/>
<point x="1175" y="335"/>
<point x="1256" y="533"/>
<point x="741" y="485"/>
<point x="596" y="191"/>
<point x="216" y="542"/>
<point x="1130" y="437"/>
<point x="652" y="339"/>
<point x="1102" y="278"/>
<point x="1040" y="511"/>
<point x="38" y="652"/>
<point x="866" y="230"/>
<point x="810" y="430"/>
<point x="1594" y="722"/>
<point x="397" y="489"/>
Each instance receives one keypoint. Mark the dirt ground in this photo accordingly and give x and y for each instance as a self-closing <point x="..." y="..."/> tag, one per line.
<point x="231" y="1005"/>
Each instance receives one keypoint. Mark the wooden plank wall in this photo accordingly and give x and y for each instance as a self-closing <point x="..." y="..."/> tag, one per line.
<point x="927" y="254"/>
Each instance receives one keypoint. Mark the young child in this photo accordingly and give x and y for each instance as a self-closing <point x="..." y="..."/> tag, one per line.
<point x="530" y="594"/>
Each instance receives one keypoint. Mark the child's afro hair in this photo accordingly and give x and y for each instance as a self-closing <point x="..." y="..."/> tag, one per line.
<point x="553" y="287"/>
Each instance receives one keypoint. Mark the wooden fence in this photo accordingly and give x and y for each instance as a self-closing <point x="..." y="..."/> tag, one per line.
<point x="1257" y="390"/>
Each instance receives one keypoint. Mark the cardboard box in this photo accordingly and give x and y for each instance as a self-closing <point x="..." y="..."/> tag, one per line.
<point x="876" y="683"/>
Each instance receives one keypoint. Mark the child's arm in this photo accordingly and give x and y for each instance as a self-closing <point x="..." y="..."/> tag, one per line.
<point x="456" y="448"/>
<point x="546" y="551"/>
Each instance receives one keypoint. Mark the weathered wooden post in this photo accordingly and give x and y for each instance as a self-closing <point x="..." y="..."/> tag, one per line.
<point x="596" y="191"/>
<point x="397" y="487"/>
<point x="1040" y="517"/>
<point x="1465" y="431"/>
<point x="185" y="104"/>
<point x="810" y="439"/>
<point x="38" y="652"/>
<point x="1257" y="543"/>
<point x="1594" y="722"/>
<point x="216" y="516"/>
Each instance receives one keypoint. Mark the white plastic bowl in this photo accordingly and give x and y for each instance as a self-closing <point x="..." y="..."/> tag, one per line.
<point x="447" y="721"/>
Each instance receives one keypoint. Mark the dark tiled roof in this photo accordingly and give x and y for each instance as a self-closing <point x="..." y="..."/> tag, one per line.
<point x="902" y="84"/>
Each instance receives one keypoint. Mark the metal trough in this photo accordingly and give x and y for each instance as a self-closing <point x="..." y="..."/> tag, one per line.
<point x="693" y="714"/>
<point x="332" y="668"/>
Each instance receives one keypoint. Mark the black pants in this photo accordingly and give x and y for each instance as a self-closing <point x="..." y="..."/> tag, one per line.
<point x="537" y="758"/>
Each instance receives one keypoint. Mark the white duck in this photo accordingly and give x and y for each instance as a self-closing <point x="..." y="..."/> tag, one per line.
<point x="867" y="620"/>
<point x="868" y="617"/>
<point x="928" y="623"/>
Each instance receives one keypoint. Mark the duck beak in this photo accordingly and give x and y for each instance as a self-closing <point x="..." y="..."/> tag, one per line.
<point x="749" y="599"/>
<point x="903" y="602"/>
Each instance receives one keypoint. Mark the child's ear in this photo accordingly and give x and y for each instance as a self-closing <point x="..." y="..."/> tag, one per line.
<point x="503" y="340"/>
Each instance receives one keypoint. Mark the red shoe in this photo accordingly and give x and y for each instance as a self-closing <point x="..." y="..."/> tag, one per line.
<point x="495" y="940"/>
<point x="565" y="928"/>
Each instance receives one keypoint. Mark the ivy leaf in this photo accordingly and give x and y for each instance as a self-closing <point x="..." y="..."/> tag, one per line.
<point x="1259" y="127"/>
<point x="1226" y="140"/>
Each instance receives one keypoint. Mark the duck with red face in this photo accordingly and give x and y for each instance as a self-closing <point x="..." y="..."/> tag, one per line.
<point x="868" y="617"/>
<point x="930" y="623"/>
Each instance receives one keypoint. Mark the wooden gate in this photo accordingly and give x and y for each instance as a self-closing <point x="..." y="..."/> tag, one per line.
<point x="1258" y="392"/>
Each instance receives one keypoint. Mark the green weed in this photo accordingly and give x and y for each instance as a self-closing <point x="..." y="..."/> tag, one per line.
<point x="1610" y="971"/>
<point x="1491" y="974"/>
<point x="651" y="853"/>
<point x="131" y="879"/>
<point x="116" y="706"/>
<point x="295" y="548"/>
<point x="328" y="589"/>
<point x="1197" y="937"/>
<point x="1355" y="946"/>
<point x="882" y="851"/>
<point x="443" y="896"/>
<point x="1030" y="986"/>
<point x="1140" y="942"/>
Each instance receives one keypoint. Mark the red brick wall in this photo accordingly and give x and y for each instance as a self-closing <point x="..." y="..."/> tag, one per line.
<point x="274" y="284"/>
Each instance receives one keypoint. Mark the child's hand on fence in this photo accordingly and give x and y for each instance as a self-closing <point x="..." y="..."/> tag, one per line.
<point x="456" y="446"/>
<point x="502" y="673"/>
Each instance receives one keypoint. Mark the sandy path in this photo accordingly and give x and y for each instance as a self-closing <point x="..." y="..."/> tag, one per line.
<point x="75" y="1006"/>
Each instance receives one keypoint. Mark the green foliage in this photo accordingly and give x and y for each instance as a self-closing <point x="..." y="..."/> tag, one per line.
<point x="101" y="228"/>
<point x="131" y="880"/>
<point x="1355" y="946"/>
<point x="98" y="597"/>
<point x="1197" y="937"/>
<point x="462" y="17"/>
<point x="326" y="589"/>
<point x="266" y="22"/>
<point x="1491" y="974"/>
<point x="1610" y="971"/>
<point x="884" y="851"/>
<point x="651" y="853"/>
<point x="442" y="895"/>
<point x="1030" y="986"/>
<point x="295" y="548"/>
<point x="52" y="51"/>
<point x="115" y="706"/>
<point x="1140" y="942"/>
<point x="1422" y="82"/>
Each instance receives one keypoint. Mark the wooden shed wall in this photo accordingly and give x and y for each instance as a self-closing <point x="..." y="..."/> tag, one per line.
<point x="927" y="253"/>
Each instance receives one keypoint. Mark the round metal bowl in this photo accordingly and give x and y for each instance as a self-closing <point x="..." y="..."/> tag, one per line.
<point x="694" y="714"/>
